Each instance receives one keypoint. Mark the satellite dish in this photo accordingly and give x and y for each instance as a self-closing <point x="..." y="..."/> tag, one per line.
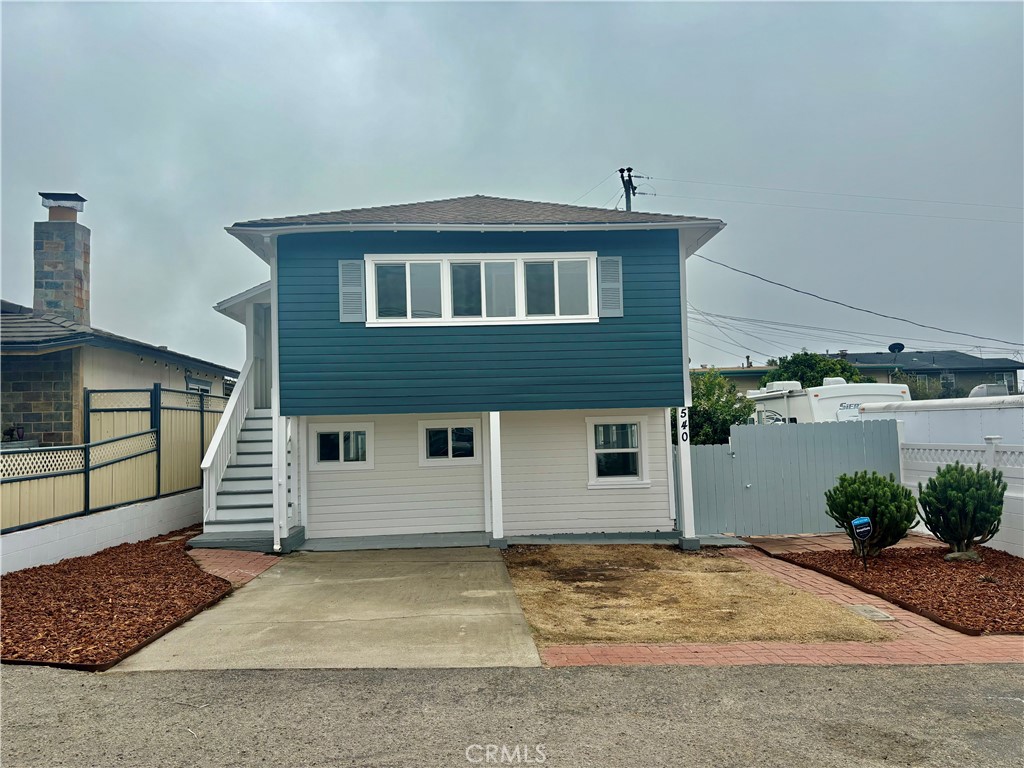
<point x="896" y="348"/>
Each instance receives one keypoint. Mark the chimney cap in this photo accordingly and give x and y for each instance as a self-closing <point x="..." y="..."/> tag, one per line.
<point x="63" y="200"/>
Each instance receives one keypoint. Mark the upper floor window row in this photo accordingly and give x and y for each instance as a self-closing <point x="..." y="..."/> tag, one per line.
<point x="480" y="289"/>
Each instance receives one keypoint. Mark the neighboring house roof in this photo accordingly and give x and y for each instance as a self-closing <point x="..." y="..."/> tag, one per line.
<point x="234" y="306"/>
<point x="479" y="210"/>
<point x="923" y="362"/>
<point x="22" y="330"/>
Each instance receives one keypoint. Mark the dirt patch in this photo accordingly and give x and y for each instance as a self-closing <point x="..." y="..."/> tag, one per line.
<point x="632" y="593"/>
<point x="983" y="597"/>
<point x="92" y="610"/>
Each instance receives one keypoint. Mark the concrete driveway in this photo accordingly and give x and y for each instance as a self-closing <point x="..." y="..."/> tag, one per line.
<point x="368" y="609"/>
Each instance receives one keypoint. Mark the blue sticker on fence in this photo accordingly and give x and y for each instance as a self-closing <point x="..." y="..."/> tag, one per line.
<point x="861" y="527"/>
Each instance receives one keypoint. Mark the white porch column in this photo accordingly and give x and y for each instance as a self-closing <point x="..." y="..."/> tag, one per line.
<point x="494" y="451"/>
<point x="279" y="468"/>
<point x="685" y="499"/>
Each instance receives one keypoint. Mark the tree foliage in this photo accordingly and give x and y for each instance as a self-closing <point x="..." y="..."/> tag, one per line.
<point x="716" y="407"/>
<point x="963" y="506"/>
<point x="928" y="389"/>
<point x="810" y="368"/>
<point x="890" y="507"/>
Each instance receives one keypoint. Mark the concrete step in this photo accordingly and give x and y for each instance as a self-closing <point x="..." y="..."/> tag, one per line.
<point x="241" y="524"/>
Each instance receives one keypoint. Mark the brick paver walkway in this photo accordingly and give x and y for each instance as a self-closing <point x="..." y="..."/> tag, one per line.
<point x="823" y="542"/>
<point x="237" y="567"/>
<point x="918" y="641"/>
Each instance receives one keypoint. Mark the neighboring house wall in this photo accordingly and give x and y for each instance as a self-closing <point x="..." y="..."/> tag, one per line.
<point x="42" y="393"/>
<point x="545" y="460"/>
<point x="329" y="367"/>
<point x="398" y="495"/>
<point x="116" y="369"/>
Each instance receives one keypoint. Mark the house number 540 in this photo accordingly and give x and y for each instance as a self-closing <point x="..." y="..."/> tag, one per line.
<point x="684" y="425"/>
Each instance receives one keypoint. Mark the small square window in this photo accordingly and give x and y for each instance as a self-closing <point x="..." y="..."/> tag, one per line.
<point x="340" y="446"/>
<point x="328" y="447"/>
<point x="445" y="443"/>
<point x="617" y="452"/>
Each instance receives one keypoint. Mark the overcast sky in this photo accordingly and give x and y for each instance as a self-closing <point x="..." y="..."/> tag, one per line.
<point x="176" y="120"/>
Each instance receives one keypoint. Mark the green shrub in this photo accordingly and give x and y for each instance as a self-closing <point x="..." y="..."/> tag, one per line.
<point x="889" y="505"/>
<point x="963" y="506"/>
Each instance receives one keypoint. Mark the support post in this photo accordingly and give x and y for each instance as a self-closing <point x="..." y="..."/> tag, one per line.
<point x="279" y="468"/>
<point x="688" y="536"/>
<point x="991" y="441"/>
<point x="494" y="450"/>
<point x="156" y="400"/>
<point x="202" y="432"/>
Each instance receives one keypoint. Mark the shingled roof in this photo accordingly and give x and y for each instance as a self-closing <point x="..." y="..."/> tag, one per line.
<point x="479" y="210"/>
<point x="23" y="330"/>
<point x="937" y="361"/>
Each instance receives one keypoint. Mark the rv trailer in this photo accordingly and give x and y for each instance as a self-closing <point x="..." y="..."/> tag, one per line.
<point x="786" y="402"/>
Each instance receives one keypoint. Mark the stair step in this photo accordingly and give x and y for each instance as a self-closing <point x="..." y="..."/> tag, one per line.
<point x="261" y="413"/>
<point x="242" y="524"/>
<point x="245" y="498"/>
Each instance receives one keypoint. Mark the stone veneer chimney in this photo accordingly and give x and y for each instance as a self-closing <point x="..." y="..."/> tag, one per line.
<point x="62" y="259"/>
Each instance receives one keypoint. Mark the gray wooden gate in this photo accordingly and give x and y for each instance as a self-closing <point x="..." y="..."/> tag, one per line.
<point x="772" y="479"/>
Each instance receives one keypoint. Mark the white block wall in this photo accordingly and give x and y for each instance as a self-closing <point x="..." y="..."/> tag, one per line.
<point x="91" y="533"/>
<point x="545" y="474"/>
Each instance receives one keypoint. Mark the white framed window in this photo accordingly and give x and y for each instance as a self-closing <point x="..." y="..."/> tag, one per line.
<point x="1009" y="379"/>
<point x="617" y="452"/>
<point x="340" y="446"/>
<point x="481" y="288"/>
<point x="947" y="379"/>
<point x="449" y="443"/>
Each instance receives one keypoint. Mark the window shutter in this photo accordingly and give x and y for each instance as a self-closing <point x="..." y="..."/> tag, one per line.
<point x="609" y="286"/>
<point x="352" y="284"/>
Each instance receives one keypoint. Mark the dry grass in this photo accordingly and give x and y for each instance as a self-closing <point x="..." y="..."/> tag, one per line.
<point x="576" y="594"/>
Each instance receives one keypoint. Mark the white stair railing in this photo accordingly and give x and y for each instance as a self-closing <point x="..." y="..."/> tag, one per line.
<point x="225" y="439"/>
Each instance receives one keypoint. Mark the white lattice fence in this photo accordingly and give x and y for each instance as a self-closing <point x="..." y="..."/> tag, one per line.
<point x="921" y="460"/>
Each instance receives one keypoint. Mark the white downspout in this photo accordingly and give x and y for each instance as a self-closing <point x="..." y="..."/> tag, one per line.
<point x="279" y="469"/>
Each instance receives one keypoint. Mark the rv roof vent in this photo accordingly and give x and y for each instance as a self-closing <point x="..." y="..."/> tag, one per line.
<point x="831" y="381"/>
<point x="782" y="386"/>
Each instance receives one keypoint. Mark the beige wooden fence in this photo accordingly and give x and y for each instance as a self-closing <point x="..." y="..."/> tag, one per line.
<point x="141" y="444"/>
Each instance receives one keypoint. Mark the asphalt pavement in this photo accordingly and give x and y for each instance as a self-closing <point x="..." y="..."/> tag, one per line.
<point x="635" y="717"/>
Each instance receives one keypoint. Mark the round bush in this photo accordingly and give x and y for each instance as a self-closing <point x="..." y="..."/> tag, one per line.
<point x="963" y="506"/>
<point x="890" y="507"/>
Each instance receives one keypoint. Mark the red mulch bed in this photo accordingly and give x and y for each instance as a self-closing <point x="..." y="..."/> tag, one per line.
<point x="92" y="611"/>
<point x="985" y="597"/>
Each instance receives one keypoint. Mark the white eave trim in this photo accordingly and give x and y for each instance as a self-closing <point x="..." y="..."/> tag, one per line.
<point x="258" y="239"/>
<point x="234" y="306"/>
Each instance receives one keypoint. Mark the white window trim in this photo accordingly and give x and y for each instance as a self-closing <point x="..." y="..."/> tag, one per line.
<point x="596" y="483"/>
<point x="476" y="458"/>
<point x="315" y="428"/>
<point x="447" y="259"/>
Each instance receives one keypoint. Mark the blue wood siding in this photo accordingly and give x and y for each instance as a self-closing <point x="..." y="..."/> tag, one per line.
<point x="334" y="368"/>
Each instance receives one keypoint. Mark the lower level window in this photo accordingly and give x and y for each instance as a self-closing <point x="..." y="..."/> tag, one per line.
<point x="617" y="451"/>
<point x="444" y="442"/>
<point x="341" y="446"/>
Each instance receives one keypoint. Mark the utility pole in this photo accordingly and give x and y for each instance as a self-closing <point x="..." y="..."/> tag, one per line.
<point x="626" y="174"/>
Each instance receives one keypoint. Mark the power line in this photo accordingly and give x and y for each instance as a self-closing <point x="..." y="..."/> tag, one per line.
<point x="864" y="336"/>
<point x="834" y="194"/>
<point x="858" y="309"/>
<point x="726" y="335"/>
<point x="602" y="181"/>
<point x="838" y="210"/>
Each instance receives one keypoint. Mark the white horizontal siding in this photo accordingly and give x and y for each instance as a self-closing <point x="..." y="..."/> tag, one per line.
<point x="398" y="495"/>
<point x="545" y="474"/>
